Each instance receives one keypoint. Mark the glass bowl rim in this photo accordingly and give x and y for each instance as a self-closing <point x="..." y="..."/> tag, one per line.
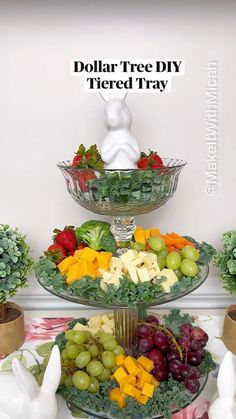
<point x="63" y="165"/>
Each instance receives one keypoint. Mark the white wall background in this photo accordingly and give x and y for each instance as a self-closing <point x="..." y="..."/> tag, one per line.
<point x="45" y="113"/>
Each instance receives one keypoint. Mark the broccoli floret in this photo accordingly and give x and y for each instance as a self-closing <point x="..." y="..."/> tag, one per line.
<point x="97" y="235"/>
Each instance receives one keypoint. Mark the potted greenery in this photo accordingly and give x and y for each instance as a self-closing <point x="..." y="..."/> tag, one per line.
<point x="225" y="260"/>
<point x="15" y="263"/>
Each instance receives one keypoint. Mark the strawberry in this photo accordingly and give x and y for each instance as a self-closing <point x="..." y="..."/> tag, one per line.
<point x="66" y="238"/>
<point x="89" y="158"/>
<point x="83" y="177"/>
<point x="56" y="252"/>
<point x="150" y="161"/>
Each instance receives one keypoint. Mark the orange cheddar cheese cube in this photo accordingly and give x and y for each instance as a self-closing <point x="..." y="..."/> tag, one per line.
<point x="131" y="391"/>
<point x="148" y="389"/>
<point x="115" y="395"/>
<point x="65" y="264"/>
<point x="88" y="254"/>
<point x="146" y="363"/>
<point x="145" y="377"/>
<point x="89" y="268"/>
<point x="130" y="379"/>
<point x="143" y="399"/>
<point x="119" y="374"/>
<point x="131" y="366"/>
<point x="120" y="360"/>
<point x="155" y="382"/>
<point x="78" y="254"/>
<point x="103" y="259"/>
<point x="75" y="272"/>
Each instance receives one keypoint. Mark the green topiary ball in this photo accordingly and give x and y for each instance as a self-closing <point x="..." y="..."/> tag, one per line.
<point x="15" y="261"/>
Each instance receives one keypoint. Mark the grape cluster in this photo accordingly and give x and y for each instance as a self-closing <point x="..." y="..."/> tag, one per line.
<point x="88" y="360"/>
<point x="176" y="357"/>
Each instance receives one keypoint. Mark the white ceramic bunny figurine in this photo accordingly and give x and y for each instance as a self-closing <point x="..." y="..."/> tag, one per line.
<point x="120" y="150"/>
<point x="33" y="401"/>
<point x="224" y="406"/>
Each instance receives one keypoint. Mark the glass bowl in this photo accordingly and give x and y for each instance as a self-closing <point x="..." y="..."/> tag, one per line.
<point x="122" y="192"/>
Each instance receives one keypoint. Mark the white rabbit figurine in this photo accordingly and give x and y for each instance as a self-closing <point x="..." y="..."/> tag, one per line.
<point x="120" y="150"/>
<point x="224" y="406"/>
<point x="33" y="401"/>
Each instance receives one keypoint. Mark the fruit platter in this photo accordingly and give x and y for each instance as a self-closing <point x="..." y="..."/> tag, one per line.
<point x="166" y="372"/>
<point x="128" y="364"/>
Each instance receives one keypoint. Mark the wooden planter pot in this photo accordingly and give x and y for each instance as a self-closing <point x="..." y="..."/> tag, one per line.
<point x="12" y="334"/>
<point x="229" y="331"/>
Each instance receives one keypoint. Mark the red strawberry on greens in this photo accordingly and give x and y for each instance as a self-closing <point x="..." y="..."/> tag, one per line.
<point x="89" y="158"/>
<point x="150" y="161"/>
<point x="56" y="252"/>
<point x="66" y="238"/>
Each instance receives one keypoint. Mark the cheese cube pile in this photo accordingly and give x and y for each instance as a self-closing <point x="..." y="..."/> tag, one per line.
<point x="134" y="379"/>
<point x="104" y="323"/>
<point x="139" y="267"/>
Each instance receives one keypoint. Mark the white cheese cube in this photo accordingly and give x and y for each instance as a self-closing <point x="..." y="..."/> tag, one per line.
<point x="107" y="329"/>
<point x="153" y="272"/>
<point x="129" y="255"/>
<point x="148" y="258"/>
<point x="136" y="262"/>
<point x="103" y="285"/>
<point x="132" y="272"/>
<point x="106" y="276"/>
<point x="143" y="274"/>
<point x="115" y="263"/>
<point x="170" y="280"/>
<point x="115" y="278"/>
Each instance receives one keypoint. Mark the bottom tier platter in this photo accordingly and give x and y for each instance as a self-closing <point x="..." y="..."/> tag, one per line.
<point x="76" y="408"/>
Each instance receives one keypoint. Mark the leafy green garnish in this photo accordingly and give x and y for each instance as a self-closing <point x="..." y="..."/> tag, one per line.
<point x="207" y="251"/>
<point x="175" y="319"/>
<point x="207" y="364"/>
<point x="168" y="395"/>
<point x="225" y="260"/>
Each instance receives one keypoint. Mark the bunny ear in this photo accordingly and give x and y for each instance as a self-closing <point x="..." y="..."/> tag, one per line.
<point x="113" y="94"/>
<point x="226" y="378"/>
<point x="25" y="380"/>
<point x="52" y="374"/>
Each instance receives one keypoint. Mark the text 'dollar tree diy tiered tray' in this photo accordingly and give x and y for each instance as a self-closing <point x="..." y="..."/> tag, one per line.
<point x="149" y="274"/>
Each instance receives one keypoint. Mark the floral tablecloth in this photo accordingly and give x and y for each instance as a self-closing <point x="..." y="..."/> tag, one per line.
<point x="40" y="330"/>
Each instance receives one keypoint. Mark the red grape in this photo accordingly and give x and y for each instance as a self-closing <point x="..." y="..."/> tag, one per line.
<point x="184" y="341"/>
<point x="197" y="333"/>
<point x="186" y="329"/>
<point x="195" y="345"/>
<point x="156" y="356"/>
<point x="172" y="355"/>
<point x="202" y="352"/>
<point x="177" y="377"/>
<point x="193" y="373"/>
<point x="160" y="340"/>
<point x="184" y="370"/>
<point x="145" y="344"/>
<point x="160" y="373"/>
<point x="175" y="366"/>
<point x="194" y="358"/>
<point x="192" y="385"/>
<point x="144" y="331"/>
<point x="204" y="340"/>
<point x="152" y="319"/>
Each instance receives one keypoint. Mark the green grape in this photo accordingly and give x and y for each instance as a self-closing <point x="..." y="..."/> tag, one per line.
<point x="109" y="344"/>
<point x="69" y="334"/>
<point x="94" y="385"/>
<point x="63" y="377"/>
<point x="189" y="252"/>
<point x="138" y="246"/>
<point x="94" y="351"/>
<point x="46" y="359"/>
<point x="173" y="260"/>
<point x="161" y="261"/>
<point x="81" y="380"/>
<point x="108" y="359"/>
<point x="80" y="336"/>
<point x="40" y="378"/>
<point x="64" y="355"/>
<point x="68" y="381"/>
<point x="82" y="359"/>
<point x="105" y="375"/>
<point x="157" y="243"/>
<point x="178" y="273"/>
<point x="72" y="351"/>
<point x="94" y="368"/>
<point x="189" y="267"/>
<point x="103" y="336"/>
<point x="68" y="363"/>
<point x="118" y="350"/>
<point x="81" y="348"/>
